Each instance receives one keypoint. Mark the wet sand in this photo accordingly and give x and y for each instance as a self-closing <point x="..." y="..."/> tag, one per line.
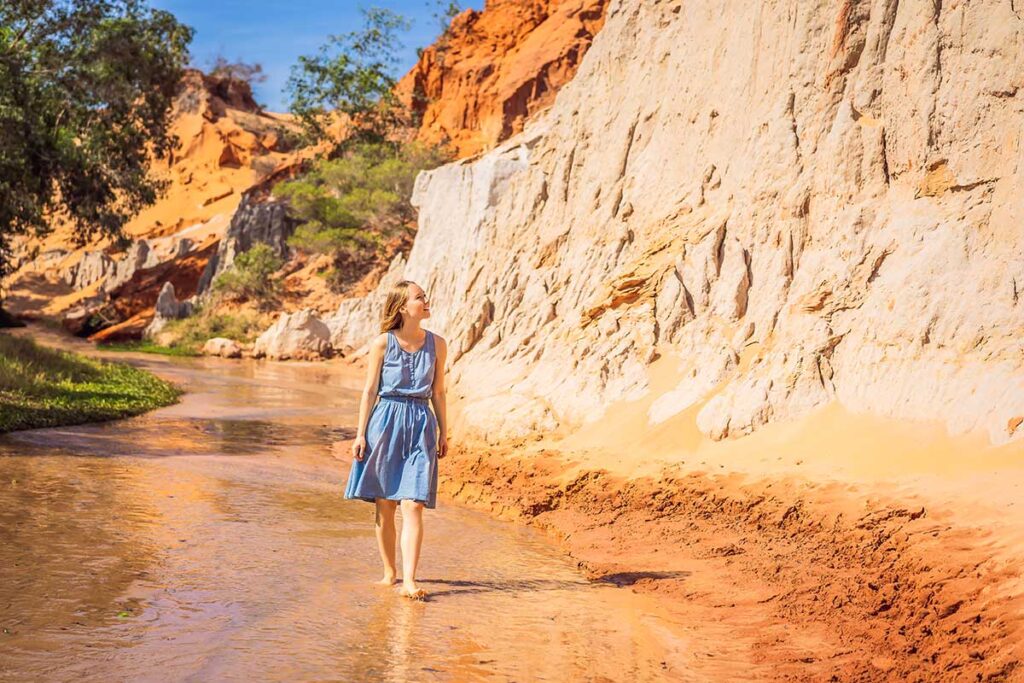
<point x="209" y="541"/>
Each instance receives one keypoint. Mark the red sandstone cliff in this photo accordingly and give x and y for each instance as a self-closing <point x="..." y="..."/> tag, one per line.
<point x="227" y="144"/>
<point x="478" y="84"/>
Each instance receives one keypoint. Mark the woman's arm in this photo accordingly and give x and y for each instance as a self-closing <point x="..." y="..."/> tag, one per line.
<point x="438" y="395"/>
<point x="374" y="363"/>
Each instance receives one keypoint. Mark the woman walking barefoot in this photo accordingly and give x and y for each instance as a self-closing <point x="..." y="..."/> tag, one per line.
<point x="396" y="450"/>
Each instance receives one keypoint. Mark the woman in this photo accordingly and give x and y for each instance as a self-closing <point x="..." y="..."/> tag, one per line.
<point x="397" y="449"/>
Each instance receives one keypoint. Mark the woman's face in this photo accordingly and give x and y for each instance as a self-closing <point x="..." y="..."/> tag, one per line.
<point x="417" y="305"/>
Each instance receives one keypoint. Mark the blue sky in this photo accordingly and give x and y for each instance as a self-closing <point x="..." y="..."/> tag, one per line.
<point x="275" y="32"/>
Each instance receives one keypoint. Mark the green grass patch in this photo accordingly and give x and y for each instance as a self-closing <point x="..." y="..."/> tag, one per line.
<point x="186" y="337"/>
<point x="43" y="387"/>
<point x="148" y="347"/>
<point x="193" y="332"/>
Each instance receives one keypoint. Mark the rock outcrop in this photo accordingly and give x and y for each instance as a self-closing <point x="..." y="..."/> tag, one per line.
<point x="295" y="336"/>
<point x="126" y="312"/>
<point x="784" y="205"/>
<point x="479" y="83"/>
<point x="225" y="348"/>
<point x="259" y="219"/>
<point x="167" y="308"/>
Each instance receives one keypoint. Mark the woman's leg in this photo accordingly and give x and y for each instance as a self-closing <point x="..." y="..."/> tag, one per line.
<point x="384" y="526"/>
<point x="412" y="540"/>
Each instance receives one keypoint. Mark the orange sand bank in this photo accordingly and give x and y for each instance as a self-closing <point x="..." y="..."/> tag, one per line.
<point x="843" y="546"/>
<point x="820" y="576"/>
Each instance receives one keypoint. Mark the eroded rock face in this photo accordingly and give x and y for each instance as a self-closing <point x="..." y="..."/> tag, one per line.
<point x="220" y="156"/>
<point x="478" y="85"/>
<point x="795" y="203"/>
<point x="130" y="308"/>
<point x="259" y="219"/>
<point x="297" y="336"/>
<point x="93" y="266"/>
<point x="167" y="308"/>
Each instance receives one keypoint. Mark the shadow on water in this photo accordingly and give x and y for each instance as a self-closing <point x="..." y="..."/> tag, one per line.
<point x="629" y="578"/>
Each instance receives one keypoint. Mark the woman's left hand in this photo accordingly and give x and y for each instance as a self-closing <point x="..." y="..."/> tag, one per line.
<point x="442" y="446"/>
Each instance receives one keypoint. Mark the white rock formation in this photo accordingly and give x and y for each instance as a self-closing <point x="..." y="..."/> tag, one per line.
<point x="93" y="266"/>
<point x="167" y="308"/>
<point x="220" y="346"/>
<point x="298" y="336"/>
<point x="802" y="201"/>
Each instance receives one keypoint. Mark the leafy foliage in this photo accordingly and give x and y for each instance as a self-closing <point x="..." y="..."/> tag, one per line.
<point x="251" y="276"/>
<point x="353" y="74"/>
<point x="86" y="87"/>
<point x="146" y="346"/>
<point x="357" y="201"/>
<point x="41" y="387"/>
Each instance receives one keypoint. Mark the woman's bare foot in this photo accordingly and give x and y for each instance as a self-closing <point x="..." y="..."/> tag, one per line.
<point x="388" y="580"/>
<point x="410" y="590"/>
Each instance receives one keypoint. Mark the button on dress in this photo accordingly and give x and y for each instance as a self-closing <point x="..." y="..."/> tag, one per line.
<point x="400" y="459"/>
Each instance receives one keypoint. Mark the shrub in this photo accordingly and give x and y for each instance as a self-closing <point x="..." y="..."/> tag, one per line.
<point x="190" y="334"/>
<point x="251" y="276"/>
<point x="245" y="72"/>
<point x="355" y="203"/>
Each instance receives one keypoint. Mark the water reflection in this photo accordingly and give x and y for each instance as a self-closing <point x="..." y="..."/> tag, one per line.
<point x="210" y="541"/>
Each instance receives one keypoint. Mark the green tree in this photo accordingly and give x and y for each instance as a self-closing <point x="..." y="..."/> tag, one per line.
<point x="86" y="88"/>
<point x="353" y="74"/>
<point x="251" y="276"/>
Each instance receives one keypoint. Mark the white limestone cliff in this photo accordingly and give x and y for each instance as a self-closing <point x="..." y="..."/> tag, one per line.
<point x="800" y="201"/>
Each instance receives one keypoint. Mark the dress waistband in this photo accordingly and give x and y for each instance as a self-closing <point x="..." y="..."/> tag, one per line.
<point x="403" y="397"/>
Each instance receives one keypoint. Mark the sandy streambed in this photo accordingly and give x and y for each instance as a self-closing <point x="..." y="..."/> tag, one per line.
<point x="209" y="541"/>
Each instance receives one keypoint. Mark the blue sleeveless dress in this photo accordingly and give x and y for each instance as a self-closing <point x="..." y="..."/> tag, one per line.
<point x="400" y="460"/>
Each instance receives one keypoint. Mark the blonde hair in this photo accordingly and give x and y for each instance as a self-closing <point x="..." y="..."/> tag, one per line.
<point x="391" y="319"/>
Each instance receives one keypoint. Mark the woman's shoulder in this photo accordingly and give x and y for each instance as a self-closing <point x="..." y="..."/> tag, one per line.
<point x="380" y="342"/>
<point x="439" y="341"/>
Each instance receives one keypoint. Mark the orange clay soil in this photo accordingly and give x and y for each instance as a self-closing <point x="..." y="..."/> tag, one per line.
<point x="824" y="580"/>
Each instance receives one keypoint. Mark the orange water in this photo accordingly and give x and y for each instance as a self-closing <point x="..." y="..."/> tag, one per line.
<point x="209" y="541"/>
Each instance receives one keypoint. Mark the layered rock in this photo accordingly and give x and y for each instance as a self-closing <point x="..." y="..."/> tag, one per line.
<point x="259" y="219"/>
<point x="789" y="204"/>
<point x="479" y="83"/>
<point x="127" y="311"/>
